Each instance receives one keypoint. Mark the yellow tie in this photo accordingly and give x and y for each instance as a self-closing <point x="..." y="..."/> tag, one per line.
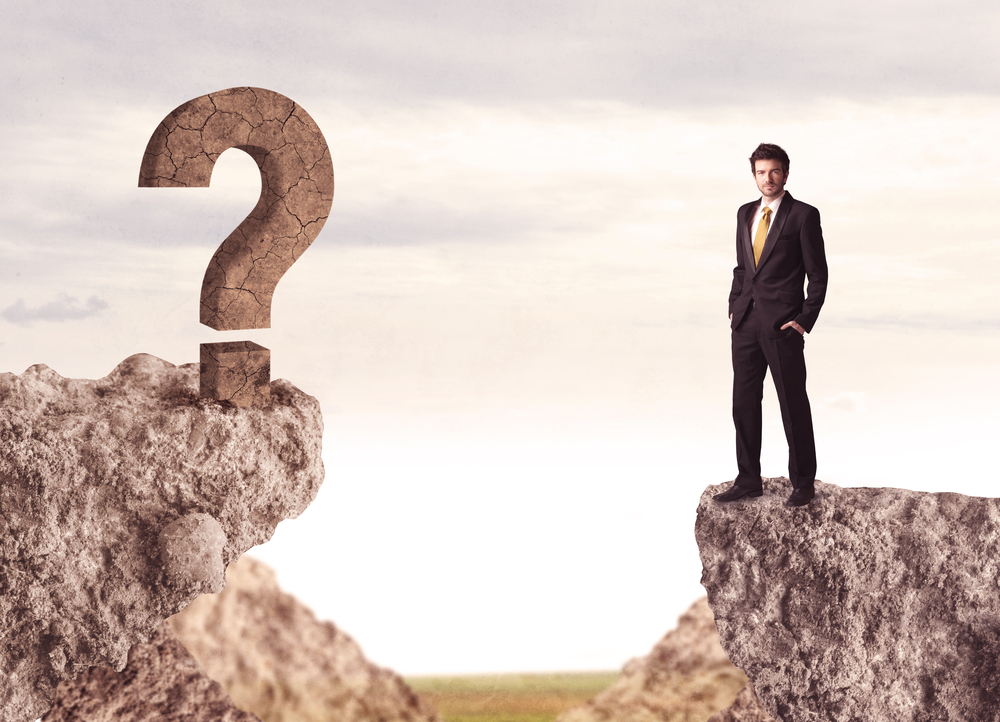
<point x="758" y="240"/>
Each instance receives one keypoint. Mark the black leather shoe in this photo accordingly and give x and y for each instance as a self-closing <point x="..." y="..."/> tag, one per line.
<point x="737" y="492"/>
<point x="801" y="497"/>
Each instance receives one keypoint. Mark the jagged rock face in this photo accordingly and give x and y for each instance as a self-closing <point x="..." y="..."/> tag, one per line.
<point x="276" y="660"/>
<point x="685" y="677"/>
<point x="867" y="604"/>
<point x="746" y="708"/>
<point x="160" y="683"/>
<point x="122" y="499"/>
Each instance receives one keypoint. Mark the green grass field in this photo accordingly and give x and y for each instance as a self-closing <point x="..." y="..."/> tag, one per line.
<point x="509" y="697"/>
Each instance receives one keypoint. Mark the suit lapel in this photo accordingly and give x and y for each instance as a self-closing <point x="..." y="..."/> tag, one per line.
<point x="775" y="230"/>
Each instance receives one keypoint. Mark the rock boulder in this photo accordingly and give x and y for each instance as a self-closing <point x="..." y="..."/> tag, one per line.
<point x="686" y="676"/>
<point x="275" y="659"/>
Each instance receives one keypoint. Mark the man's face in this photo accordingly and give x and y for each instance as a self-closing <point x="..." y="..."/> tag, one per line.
<point x="770" y="178"/>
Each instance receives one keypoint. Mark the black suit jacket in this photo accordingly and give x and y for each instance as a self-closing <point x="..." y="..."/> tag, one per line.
<point x="793" y="252"/>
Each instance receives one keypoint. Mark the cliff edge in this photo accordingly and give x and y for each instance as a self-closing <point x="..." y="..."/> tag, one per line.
<point x="879" y="604"/>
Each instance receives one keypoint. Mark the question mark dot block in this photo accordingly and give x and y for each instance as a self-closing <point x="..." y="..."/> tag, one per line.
<point x="236" y="371"/>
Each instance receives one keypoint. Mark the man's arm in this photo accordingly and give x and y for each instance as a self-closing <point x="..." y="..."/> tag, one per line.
<point x="739" y="271"/>
<point x="814" y="260"/>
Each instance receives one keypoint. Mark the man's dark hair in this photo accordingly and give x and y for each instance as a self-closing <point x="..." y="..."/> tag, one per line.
<point x="769" y="151"/>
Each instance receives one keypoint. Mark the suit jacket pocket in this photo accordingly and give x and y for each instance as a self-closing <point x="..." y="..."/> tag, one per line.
<point x="791" y="297"/>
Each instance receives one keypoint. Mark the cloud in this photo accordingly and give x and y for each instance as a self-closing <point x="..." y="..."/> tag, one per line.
<point x="666" y="54"/>
<point x="64" y="308"/>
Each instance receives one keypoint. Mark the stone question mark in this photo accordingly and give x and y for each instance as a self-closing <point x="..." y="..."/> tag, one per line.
<point x="295" y="198"/>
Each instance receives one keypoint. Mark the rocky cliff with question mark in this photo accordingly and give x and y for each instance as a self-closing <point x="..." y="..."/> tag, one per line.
<point x="123" y="499"/>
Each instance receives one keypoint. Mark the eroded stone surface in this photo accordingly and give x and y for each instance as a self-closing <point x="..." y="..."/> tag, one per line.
<point x="276" y="660"/>
<point x="295" y="198"/>
<point x="746" y="708"/>
<point x="867" y="604"/>
<point x="686" y="676"/>
<point x="94" y="476"/>
<point x="162" y="682"/>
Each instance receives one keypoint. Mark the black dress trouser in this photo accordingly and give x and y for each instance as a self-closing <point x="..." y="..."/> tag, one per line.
<point x="754" y="352"/>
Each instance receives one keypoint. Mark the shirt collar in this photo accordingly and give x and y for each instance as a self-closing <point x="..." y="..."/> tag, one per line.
<point x="773" y="205"/>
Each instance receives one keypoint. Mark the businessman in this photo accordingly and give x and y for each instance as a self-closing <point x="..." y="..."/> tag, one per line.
<point x="779" y="247"/>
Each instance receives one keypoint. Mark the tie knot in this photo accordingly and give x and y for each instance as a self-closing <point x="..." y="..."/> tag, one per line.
<point x="767" y="211"/>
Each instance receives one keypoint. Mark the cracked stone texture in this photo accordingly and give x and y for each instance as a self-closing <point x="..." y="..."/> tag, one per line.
<point x="295" y="198"/>
<point x="121" y="500"/>
<point x="276" y="660"/>
<point x="877" y="604"/>
<point x="237" y="371"/>
<point x="162" y="682"/>
<point x="685" y="678"/>
<point x="746" y="708"/>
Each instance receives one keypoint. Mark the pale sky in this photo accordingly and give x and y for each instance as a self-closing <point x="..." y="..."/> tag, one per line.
<point x="515" y="319"/>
